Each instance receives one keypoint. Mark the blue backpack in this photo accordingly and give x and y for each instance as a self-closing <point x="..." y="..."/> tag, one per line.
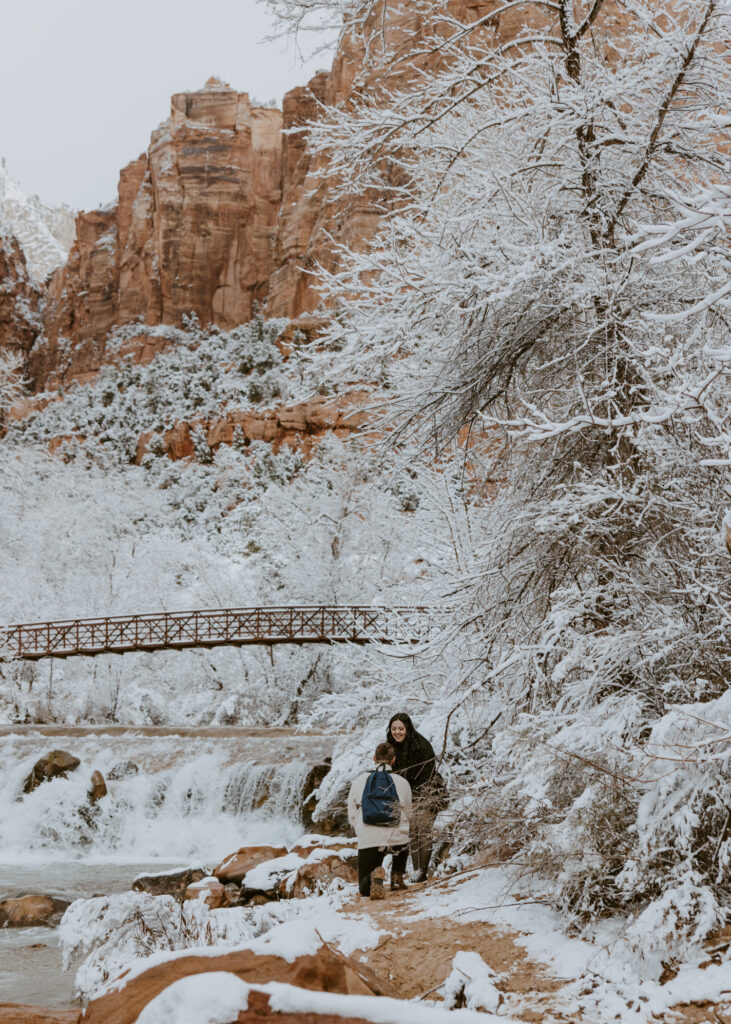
<point x="380" y="803"/>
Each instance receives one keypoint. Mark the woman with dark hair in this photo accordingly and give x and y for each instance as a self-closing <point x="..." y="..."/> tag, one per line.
<point x="416" y="762"/>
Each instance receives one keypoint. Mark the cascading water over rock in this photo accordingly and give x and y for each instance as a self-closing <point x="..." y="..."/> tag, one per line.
<point x="191" y="798"/>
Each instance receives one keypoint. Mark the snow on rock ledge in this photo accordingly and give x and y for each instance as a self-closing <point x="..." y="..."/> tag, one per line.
<point x="45" y="233"/>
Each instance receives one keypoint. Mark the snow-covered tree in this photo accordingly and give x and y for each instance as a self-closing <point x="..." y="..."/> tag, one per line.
<point x="514" y="148"/>
<point x="11" y="381"/>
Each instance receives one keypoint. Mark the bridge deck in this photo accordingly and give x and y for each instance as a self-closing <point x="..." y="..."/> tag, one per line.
<point x="286" y="624"/>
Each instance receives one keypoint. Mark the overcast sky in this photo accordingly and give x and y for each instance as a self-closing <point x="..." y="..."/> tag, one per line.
<point x="84" y="82"/>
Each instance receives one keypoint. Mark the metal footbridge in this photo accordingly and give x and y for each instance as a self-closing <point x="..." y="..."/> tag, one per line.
<point x="221" y="627"/>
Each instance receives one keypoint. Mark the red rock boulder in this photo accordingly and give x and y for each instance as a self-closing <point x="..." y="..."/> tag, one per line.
<point x="325" y="971"/>
<point x="31" y="912"/>
<point x="236" y="865"/>
<point x="210" y="890"/>
<point x="19" y="300"/>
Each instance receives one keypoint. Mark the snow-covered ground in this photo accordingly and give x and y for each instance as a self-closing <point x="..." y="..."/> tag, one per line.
<point x="487" y="942"/>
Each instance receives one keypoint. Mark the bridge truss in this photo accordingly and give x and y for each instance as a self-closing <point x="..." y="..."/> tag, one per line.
<point x="222" y="627"/>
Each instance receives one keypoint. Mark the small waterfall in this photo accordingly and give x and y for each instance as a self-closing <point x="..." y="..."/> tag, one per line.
<point x="269" y="789"/>
<point x="190" y="799"/>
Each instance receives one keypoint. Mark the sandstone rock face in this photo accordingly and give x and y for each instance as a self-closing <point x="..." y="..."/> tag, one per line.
<point x="20" y="300"/>
<point x="31" y="911"/>
<point x="313" y="782"/>
<point x="192" y="233"/>
<point x="58" y="762"/>
<point x="238" y="864"/>
<point x="314" y="220"/>
<point x="325" y="971"/>
<point x="227" y="209"/>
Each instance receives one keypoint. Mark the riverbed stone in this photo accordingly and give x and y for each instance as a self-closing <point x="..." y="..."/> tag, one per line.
<point x="172" y="883"/>
<point x="236" y="865"/>
<point x="98" y="787"/>
<point x="306" y="845"/>
<point x="50" y="766"/>
<point x="210" y="890"/>
<point x="31" y="911"/>
<point x="123" y="770"/>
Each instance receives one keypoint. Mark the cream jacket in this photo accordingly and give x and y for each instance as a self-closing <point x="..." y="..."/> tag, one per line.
<point x="379" y="835"/>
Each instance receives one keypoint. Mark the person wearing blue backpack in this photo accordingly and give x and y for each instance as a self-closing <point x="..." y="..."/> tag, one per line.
<point x="379" y="810"/>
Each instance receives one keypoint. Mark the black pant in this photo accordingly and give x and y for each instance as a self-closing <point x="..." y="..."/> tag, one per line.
<point x="372" y="858"/>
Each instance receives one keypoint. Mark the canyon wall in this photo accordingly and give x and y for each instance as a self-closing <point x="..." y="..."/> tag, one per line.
<point x="192" y="234"/>
<point x="228" y="211"/>
<point x="20" y="300"/>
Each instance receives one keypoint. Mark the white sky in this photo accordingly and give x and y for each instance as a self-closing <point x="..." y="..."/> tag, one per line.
<point x="84" y="82"/>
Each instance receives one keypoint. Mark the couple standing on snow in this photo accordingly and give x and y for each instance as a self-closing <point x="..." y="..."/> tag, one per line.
<point x="392" y="808"/>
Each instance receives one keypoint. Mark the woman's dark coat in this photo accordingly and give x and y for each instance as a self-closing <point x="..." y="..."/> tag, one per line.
<point x="415" y="757"/>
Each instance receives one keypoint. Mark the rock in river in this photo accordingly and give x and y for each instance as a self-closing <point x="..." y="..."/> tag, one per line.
<point x="169" y="883"/>
<point x="31" y="911"/>
<point x="97" y="788"/>
<point x="58" y="762"/>
<point x="211" y="891"/>
<point x="123" y="770"/>
<point x="317" y="873"/>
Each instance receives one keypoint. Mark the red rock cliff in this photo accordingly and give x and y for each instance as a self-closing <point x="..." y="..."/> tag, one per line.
<point x="20" y="299"/>
<point x="223" y="212"/>
<point x="192" y="232"/>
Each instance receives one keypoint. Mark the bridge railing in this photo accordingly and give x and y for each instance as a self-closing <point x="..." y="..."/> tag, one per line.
<point x="265" y="625"/>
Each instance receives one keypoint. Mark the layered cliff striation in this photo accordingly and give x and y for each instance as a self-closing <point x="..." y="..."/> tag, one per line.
<point x="20" y="300"/>
<point x="191" y="235"/>
<point x="231" y="211"/>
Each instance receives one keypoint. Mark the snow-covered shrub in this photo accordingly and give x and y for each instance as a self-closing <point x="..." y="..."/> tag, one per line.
<point x="11" y="381"/>
<point x="111" y="931"/>
<point x="471" y="984"/>
<point x="201" y="374"/>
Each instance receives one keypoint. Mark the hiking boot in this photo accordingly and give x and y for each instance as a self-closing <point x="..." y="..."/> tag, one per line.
<point x="416" y="877"/>
<point x="377" y="879"/>
<point x="397" y="882"/>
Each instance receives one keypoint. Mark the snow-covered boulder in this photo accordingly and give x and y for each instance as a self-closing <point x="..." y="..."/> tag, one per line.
<point x="300" y="963"/>
<point x="234" y="867"/>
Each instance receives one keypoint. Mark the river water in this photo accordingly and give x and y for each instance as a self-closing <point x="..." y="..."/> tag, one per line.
<point x="197" y="795"/>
